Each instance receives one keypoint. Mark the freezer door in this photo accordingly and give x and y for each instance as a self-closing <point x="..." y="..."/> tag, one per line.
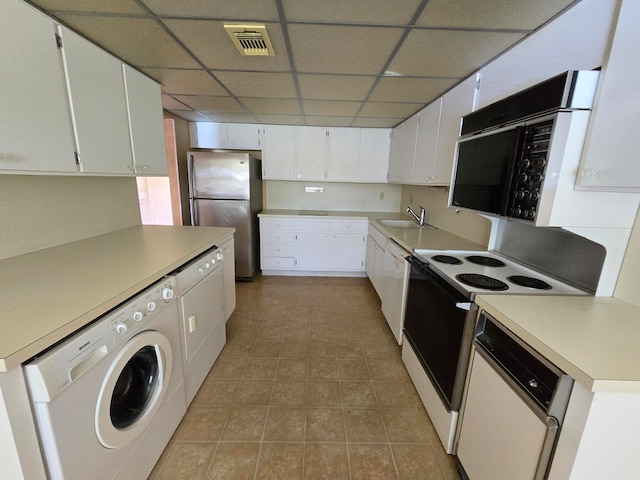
<point x="235" y="214"/>
<point x="219" y="175"/>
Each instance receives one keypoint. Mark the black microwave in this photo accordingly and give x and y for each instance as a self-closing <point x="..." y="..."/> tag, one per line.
<point x="501" y="172"/>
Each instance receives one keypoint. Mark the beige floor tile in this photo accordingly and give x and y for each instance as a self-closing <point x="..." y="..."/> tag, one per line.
<point x="392" y="395"/>
<point x="416" y="461"/>
<point x="324" y="425"/>
<point x="358" y="394"/>
<point x="349" y="351"/>
<point x="356" y="369"/>
<point x="292" y="368"/>
<point x="292" y="393"/>
<point x="267" y="349"/>
<point x="384" y="369"/>
<point x="237" y="348"/>
<point x="323" y="461"/>
<point x="261" y="368"/>
<point x="271" y="333"/>
<point x="203" y="424"/>
<point x="280" y="461"/>
<point x="186" y="460"/>
<point x="323" y="394"/>
<point x="285" y="424"/>
<point x="322" y="369"/>
<point x="371" y="462"/>
<point x="405" y="425"/>
<point x="364" y="425"/>
<point x="245" y="424"/>
<point x="295" y="350"/>
<point x="234" y="461"/>
<point x="216" y="391"/>
<point x="254" y="392"/>
<point x="296" y="333"/>
<point x="229" y="368"/>
<point x="321" y="350"/>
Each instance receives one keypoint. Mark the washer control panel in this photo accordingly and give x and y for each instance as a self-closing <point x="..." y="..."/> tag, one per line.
<point x="198" y="269"/>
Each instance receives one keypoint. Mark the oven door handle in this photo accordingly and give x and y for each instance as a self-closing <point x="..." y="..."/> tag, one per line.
<point x="464" y="306"/>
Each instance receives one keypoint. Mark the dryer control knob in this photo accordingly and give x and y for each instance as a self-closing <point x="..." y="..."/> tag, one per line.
<point x="121" y="328"/>
<point x="167" y="294"/>
<point x="219" y="256"/>
<point x="137" y="316"/>
<point x="200" y="270"/>
<point x="151" y="306"/>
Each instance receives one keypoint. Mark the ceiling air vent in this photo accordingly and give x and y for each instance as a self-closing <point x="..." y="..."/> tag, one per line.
<point x="251" y="40"/>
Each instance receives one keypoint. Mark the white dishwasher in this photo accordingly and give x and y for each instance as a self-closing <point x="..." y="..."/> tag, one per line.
<point x="200" y="289"/>
<point x="514" y="407"/>
<point x="394" y="291"/>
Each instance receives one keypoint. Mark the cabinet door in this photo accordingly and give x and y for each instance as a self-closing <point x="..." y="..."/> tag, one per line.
<point x="426" y="143"/>
<point x="395" y="154"/>
<point x="407" y="157"/>
<point x="348" y="251"/>
<point x="343" y="145"/>
<point x="146" y="123"/>
<point x="455" y="104"/>
<point x="229" y="278"/>
<point x="310" y="153"/>
<point x="312" y="251"/>
<point x="243" y="136"/>
<point x="208" y="135"/>
<point x="35" y="129"/>
<point x="278" y="152"/>
<point x="610" y="159"/>
<point x="375" y="146"/>
<point x="98" y="106"/>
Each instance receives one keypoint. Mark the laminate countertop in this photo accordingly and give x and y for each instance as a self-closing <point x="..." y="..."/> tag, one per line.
<point x="595" y="340"/>
<point x="409" y="238"/>
<point x="49" y="294"/>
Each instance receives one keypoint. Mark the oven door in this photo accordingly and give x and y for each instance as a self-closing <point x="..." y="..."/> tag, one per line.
<point x="438" y="324"/>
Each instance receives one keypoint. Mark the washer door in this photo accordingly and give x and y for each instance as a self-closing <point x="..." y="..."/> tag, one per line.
<point x="133" y="389"/>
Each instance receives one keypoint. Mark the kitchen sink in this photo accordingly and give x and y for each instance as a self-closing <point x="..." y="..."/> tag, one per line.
<point x="402" y="224"/>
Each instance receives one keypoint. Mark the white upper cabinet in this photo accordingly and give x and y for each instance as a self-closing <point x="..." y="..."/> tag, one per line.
<point x="374" y="149"/>
<point x="455" y="104"/>
<point x="242" y="136"/>
<point x="610" y="157"/>
<point x="278" y="153"/>
<point x="426" y="143"/>
<point x="35" y="129"/>
<point x="343" y="146"/>
<point x="310" y="153"/>
<point x="146" y="123"/>
<point x="98" y="106"/>
<point x="395" y="154"/>
<point x="403" y="150"/>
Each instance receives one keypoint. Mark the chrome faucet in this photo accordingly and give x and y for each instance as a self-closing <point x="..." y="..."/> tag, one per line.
<point x="419" y="219"/>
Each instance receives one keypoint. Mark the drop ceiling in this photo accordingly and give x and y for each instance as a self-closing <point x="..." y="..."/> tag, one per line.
<point x="361" y="63"/>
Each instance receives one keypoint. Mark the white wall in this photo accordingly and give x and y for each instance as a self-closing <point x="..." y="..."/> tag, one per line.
<point x="629" y="280"/>
<point x="364" y="197"/>
<point x="43" y="211"/>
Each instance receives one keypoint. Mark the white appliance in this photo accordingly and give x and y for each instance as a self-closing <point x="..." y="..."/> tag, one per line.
<point x="108" y="399"/>
<point x="394" y="291"/>
<point x="200" y="287"/>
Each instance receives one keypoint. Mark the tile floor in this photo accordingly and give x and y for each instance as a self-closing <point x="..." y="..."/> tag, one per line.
<point x="310" y="385"/>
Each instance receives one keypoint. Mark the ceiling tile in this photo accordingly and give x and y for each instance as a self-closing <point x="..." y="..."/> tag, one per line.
<point x="190" y="116"/>
<point x="257" y="84"/>
<point x="209" y="41"/>
<point x="112" y="6"/>
<point x="280" y="119"/>
<point x="328" y="121"/>
<point x="331" y="108"/>
<point x="390" y="110"/>
<point x="438" y="53"/>
<point x="335" y="49"/>
<point x="186" y="82"/>
<point x="153" y="47"/>
<point x="352" y="11"/>
<point x="218" y="104"/>
<point x="221" y="9"/>
<point x="170" y="103"/>
<point x="417" y="90"/>
<point x="280" y="106"/>
<point x="224" y="117"/>
<point x="334" y="87"/>
<point x="372" y="122"/>
<point x="490" y="14"/>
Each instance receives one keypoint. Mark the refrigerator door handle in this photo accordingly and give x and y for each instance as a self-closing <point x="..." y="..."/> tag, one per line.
<point x="194" y="212"/>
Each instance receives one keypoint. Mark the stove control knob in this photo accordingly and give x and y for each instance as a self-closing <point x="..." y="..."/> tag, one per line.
<point x="536" y="178"/>
<point x="524" y="178"/>
<point x="167" y="294"/>
<point x="530" y="214"/>
<point x="151" y="306"/>
<point x="534" y="195"/>
<point x="525" y="163"/>
<point x="137" y="316"/>
<point x="219" y="256"/>
<point x="121" y="328"/>
<point x="520" y="194"/>
<point x="539" y="162"/>
<point x="516" y="212"/>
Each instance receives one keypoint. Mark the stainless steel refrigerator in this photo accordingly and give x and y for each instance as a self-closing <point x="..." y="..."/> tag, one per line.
<point x="225" y="190"/>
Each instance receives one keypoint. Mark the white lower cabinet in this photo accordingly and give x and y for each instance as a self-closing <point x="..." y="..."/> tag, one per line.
<point x="293" y="244"/>
<point x="376" y="251"/>
<point x="394" y="287"/>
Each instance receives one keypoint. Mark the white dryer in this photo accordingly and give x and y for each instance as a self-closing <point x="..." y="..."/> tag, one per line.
<point x="200" y="289"/>
<point x="108" y="399"/>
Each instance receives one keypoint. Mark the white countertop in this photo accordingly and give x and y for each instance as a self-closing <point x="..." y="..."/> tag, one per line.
<point x="595" y="340"/>
<point x="49" y="294"/>
<point x="409" y="238"/>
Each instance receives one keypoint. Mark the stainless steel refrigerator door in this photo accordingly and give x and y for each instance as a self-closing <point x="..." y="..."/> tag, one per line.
<point x="236" y="214"/>
<point x="219" y="175"/>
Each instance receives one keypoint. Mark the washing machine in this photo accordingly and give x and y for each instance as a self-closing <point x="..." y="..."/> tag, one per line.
<point x="200" y="291"/>
<point x="108" y="399"/>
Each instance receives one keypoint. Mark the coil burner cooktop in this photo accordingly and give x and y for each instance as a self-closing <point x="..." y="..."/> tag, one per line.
<point x="489" y="272"/>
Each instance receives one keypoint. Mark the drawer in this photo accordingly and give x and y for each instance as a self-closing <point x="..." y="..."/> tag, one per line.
<point x="277" y="263"/>
<point x="316" y="226"/>
<point x="274" y="250"/>
<point x="278" y="237"/>
<point x="276" y="224"/>
<point x="378" y="236"/>
<point x="348" y="226"/>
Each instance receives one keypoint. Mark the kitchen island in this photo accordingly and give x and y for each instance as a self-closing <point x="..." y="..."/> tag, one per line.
<point x="596" y="341"/>
<point x="49" y="294"/>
